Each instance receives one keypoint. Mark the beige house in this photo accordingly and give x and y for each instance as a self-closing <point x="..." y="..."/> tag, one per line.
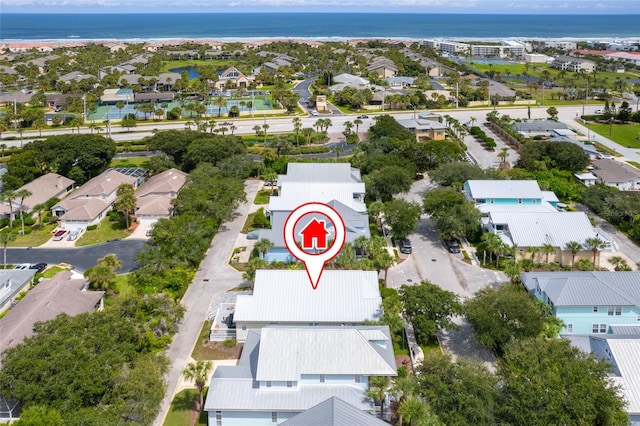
<point x="154" y="197"/>
<point x="89" y="204"/>
<point x="232" y="77"/>
<point x="617" y="174"/>
<point x="383" y="66"/>
<point x="50" y="298"/>
<point x="42" y="189"/>
<point x="425" y="129"/>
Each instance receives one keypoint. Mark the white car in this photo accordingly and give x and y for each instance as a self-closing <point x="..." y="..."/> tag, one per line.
<point x="598" y="111"/>
<point x="314" y="113"/>
<point x="23" y="266"/>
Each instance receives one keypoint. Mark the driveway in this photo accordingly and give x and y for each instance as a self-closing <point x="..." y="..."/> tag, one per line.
<point x="430" y="261"/>
<point x="215" y="276"/>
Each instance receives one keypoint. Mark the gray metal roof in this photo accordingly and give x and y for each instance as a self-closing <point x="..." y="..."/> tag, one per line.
<point x="421" y="124"/>
<point x="318" y="350"/>
<point x="288" y="352"/>
<point x="626" y="330"/>
<point x="334" y="412"/>
<point x="496" y="189"/>
<point x="538" y="126"/>
<point x="287" y="296"/>
<point x="12" y="281"/>
<point x="625" y="353"/>
<point x="535" y="229"/>
<point x="356" y="224"/>
<point x="320" y="172"/>
<point x="588" y="288"/>
<point x="293" y="194"/>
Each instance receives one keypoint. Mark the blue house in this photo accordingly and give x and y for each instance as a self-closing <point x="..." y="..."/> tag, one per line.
<point x="589" y="302"/>
<point x="509" y="192"/>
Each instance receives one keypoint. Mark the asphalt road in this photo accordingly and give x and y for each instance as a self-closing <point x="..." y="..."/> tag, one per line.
<point x="81" y="258"/>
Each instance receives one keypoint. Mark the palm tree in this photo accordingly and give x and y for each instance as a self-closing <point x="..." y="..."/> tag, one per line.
<point x="534" y="251"/>
<point x="6" y="237"/>
<point x="494" y="245"/>
<point x="8" y="197"/>
<point x="504" y="153"/>
<point x="378" y="390"/>
<point x="348" y="126"/>
<point x="307" y="132"/>
<point x="617" y="262"/>
<point x="257" y="129"/>
<point x="384" y="261"/>
<point x="120" y="106"/>
<point x="265" y="127"/>
<point x="548" y="249"/>
<point x="100" y="277"/>
<point x="198" y="372"/>
<point x="3" y="146"/>
<point x="126" y="201"/>
<point x="220" y="102"/>
<point x="403" y="388"/>
<point x="263" y="245"/>
<point x="357" y="122"/>
<point x="595" y="244"/>
<point x="22" y="194"/>
<point x="110" y="260"/>
<point x="39" y="208"/>
<point x="574" y="247"/>
<point x="297" y="126"/>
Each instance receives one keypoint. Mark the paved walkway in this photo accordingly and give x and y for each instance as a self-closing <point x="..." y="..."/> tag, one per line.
<point x="214" y="276"/>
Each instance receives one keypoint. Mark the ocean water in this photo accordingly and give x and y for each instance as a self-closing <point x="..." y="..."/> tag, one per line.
<point x="243" y="26"/>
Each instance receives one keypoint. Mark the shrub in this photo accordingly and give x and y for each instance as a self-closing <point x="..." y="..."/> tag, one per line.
<point x="229" y="343"/>
<point x="92" y="227"/>
<point x="27" y="230"/>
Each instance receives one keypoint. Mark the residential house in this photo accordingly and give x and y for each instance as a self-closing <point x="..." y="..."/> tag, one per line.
<point x="61" y="294"/>
<point x="523" y="215"/>
<point x="590" y="302"/>
<point x="617" y="174"/>
<point x="531" y="128"/>
<point x="348" y="80"/>
<point x="89" y="204"/>
<point x="621" y="353"/>
<point x="334" y="412"/>
<point x="586" y="178"/>
<point x="232" y="77"/>
<point x="424" y="129"/>
<point x="44" y="188"/>
<point x="76" y="76"/>
<point x="570" y="63"/>
<point x="400" y="81"/>
<point x="154" y="197"/>
<point x="167" y="80"/>
<point x="285" y="297"/>
<point x="382" y="66"/>
<point x="12" y="283"/>
<point x="320" y="172"/>
<point x="7" y="70"/>
<point x="284" y="371"/>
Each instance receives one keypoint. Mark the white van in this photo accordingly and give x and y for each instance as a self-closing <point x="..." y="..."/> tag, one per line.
<point x="73" y="235"/>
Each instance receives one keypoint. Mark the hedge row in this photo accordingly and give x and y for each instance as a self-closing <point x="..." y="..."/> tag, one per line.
<point x="480" y="134"/>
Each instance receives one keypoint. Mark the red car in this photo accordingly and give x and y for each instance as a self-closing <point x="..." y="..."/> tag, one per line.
<point x="59" y="235"/>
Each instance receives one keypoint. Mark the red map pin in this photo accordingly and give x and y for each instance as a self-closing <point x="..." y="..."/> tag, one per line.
<point x="314" y="235"/>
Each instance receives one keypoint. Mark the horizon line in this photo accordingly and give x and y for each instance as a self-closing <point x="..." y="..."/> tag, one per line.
<point x="317" y="12"/>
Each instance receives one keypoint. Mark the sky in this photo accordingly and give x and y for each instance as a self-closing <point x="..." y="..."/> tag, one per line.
<point x="345" y="6"/>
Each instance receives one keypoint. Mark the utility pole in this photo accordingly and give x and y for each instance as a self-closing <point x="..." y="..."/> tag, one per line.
<point x="457" y="95"/>
<point x="586" y="95"/>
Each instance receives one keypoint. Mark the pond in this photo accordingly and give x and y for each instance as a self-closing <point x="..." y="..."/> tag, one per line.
<point x="189" y="69"/>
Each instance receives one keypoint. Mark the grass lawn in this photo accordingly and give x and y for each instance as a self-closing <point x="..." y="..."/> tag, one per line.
<point x="50" y="272"/>
<point x="217" y="63"/>
<point x="634" y="164"/>
<point x="106" y="231"/>
<point x="625" y="135"/>
<point x="182" y="410"/>
<point x="262" y="197"/>
<point x="130" y="162"/>
<point x="202" y="352"/>
<point x="121" y="285"/>
<point x="34" y="239"/>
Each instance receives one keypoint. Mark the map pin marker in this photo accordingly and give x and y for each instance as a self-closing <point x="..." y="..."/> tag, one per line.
<point x="314" y="234"/>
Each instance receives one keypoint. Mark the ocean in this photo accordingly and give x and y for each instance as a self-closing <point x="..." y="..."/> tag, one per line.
<point x="243" y="26"/>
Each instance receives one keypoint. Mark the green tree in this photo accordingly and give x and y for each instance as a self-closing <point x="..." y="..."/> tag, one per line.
<point x="297" y="127"/>
<point x="6" y="236"/>
<point x="39" y="415"/>
<point x="263" y="245"/>
<point x="574" y="247"/>
<point x="100" y="277"/>
<point x="120" y="106"/>
<point x="460" y="393"/>
<point x="9" y="197"/>
<point x="39" y="208"/>
<point x="428" y="308"/>
<point x="499" y="315"/>
<point x="388" y="181"/>
<point x="22" y="194"/>
<point x="110" y="260"/>
<point x="595" y="244"/>
<point x="128" y="122"/>
<point x="198" y="372"/>
<point x="402" y="216"/>
<point x="552" y="112"/>
<point x="220" y="102"/>
<point x="417" y="413"/>
<point x="548" y="249"/>
<point x="125" y="201"/>
<point x="548" y="381"/>
<point x="378" y="386"/>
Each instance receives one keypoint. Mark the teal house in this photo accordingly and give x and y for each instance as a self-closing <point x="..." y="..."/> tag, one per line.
<point x="590" y="302"/>
<point x="509" y="193"/>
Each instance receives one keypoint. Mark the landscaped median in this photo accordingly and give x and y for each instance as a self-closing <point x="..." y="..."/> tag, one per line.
<point x="626" y="135"/>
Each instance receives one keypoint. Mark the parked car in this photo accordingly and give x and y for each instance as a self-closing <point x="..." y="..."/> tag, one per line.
<point x="314" y="112"/>
<point x="226" y="123"/>
<point x="39" y="267"/>
<point x="59" y="235"/>
<point x="22" y="266"/>
<point x="453" y="245"/>
<point x="150" y="229"/>
<point x="73" y="235"/>
<point x="363" y="117"/>
<point x="598" y="111"/>
<point x="405" y="246"/>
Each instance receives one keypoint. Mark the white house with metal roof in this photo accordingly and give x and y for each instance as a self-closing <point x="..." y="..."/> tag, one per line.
<point x="617" y="174"/>
<point x="285" y="297"/>
<point x="509" y="192"/>
<point x="589" y="302"/>
<point x="284" y="371"/>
